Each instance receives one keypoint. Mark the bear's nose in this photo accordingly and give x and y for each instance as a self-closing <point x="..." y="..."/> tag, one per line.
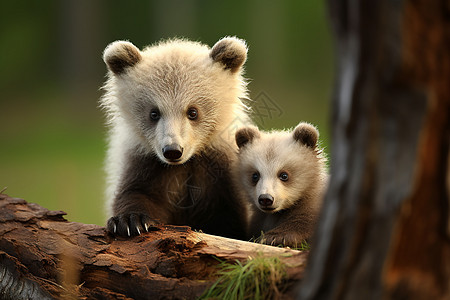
<point x="265" y="200"/>
<point x="172" y="152"/>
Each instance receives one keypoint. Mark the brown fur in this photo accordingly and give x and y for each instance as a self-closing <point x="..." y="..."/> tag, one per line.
<point x="288" y="227"/>
<point x="246" y="135"/>
<point x="125" y="57"/>
<point x="229" y="53"/>
<point x="307" y="135"/>
<point x="191" y="194"/>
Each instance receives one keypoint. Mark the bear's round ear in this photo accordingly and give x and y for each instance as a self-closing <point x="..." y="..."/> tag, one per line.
<point x="306" y="134"/>
<point x="121" y="54"/>
<point x="246" y="135"/>
<point x="231" y="52"/>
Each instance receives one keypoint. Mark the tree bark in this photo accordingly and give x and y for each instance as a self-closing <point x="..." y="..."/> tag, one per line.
<point x="43" y="256"/>
<point x="384" y="228"/>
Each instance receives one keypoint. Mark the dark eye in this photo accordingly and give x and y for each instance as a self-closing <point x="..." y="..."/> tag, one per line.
<point x="255" y="177"/>
<point x="155" y="115"/>
<point x="283" y="176"/>
<point x="192" y="113"/>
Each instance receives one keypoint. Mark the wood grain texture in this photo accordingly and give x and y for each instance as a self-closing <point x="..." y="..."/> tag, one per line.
<point x="383" y="231"/>
<point x="44" y="255"/>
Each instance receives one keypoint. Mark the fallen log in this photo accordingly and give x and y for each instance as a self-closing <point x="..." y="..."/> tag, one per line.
<point x="44" y="256"/>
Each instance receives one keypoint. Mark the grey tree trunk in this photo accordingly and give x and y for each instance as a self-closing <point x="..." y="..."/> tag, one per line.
<point x="384" y="228"/>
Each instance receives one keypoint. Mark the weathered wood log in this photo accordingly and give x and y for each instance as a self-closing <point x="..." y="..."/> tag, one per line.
<point x="384" y="229"/>
<point x="42" y="256"/>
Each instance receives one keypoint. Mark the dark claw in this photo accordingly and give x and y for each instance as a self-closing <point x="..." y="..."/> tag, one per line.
<point x="111" y="225"/>
<point x="148" y="224"/>
<point x="128" y="225"/>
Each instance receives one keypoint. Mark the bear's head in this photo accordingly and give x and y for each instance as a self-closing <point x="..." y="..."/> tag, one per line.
<point x="176" y="98"/>
<point x="276" y="169"/>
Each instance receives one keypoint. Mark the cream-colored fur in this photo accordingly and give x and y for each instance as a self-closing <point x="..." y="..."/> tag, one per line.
<point x="277" y="151"/>
<point x="171" y="76"/>
<point x="269" y="154"/>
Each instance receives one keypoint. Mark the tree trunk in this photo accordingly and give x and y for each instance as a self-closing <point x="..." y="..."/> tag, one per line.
<point x="384" y="229"/>
<point x="43" y="256"/>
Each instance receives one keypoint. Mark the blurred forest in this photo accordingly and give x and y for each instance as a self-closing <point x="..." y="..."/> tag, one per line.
<point x="52" y="133"/>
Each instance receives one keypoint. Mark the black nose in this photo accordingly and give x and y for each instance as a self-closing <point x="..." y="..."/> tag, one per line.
<point x="265" y="200"/>
<point x="172" y="152"/>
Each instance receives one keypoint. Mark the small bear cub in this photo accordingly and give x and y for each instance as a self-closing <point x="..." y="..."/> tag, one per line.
<point x="283" y="177"/>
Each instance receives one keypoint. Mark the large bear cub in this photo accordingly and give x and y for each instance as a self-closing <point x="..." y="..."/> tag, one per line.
<point x="172" y="110"/>
<point x="283" y="176"/>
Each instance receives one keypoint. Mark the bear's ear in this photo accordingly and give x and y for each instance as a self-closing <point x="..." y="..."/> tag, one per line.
<point x="231" y="52"/>
<point x="120" y="55"/>
<point x="306" y="134"/>
<point x="246" y="135"/>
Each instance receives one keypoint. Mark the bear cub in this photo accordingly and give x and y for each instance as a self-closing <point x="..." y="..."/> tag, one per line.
<point x="172" y="110"/>
<point x="283" y="176"/>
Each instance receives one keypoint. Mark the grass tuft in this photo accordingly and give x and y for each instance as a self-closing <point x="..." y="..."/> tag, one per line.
<point x="258" y="278"/>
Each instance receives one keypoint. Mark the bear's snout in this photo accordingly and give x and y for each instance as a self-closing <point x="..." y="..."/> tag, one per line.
<point x="172" y="152"/>
<point x="266" y="201"/>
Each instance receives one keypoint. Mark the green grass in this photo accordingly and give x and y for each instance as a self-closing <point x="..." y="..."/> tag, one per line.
<point x="258" y="278"/>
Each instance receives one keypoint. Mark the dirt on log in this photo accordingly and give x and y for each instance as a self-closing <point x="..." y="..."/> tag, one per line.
<point x="44" y="256"/>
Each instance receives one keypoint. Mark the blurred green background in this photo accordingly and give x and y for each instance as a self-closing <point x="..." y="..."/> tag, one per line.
<point x="52" y="134"/>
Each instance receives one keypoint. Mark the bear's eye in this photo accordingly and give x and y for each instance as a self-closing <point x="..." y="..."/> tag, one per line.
<point x="283" y="176"/>
<point x="155" y="115"/>
<point x="192" y="113"/>
<point x="255" y="177"/>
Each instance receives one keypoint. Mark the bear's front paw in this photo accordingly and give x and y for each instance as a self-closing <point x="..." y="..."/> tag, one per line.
<point x="130" y="224"/>
<point x="291" y="240"/>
